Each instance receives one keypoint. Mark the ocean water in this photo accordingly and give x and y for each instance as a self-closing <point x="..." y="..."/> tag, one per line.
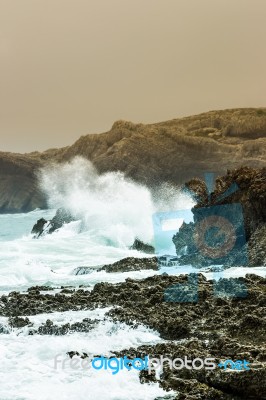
<point x="27" y="362"/>
<point x="111" y="212"/>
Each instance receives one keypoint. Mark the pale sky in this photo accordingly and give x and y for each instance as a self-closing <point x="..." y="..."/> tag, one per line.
<point x="73" y="67"/>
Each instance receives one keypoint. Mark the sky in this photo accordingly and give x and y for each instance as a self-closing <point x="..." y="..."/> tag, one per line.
<point x="73" y="67"/>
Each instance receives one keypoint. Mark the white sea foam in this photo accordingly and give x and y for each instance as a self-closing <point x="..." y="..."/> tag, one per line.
<point x="112" y="211"/>
<point x="28" y="366"/>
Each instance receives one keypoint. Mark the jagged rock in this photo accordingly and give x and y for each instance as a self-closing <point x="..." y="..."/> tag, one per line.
<point x="257" y="247"/>
<point x="49" y="328"/>
<point x="244" y="186"/>
<point x="61" y="217"/>
<point x="42" y="226"/>
<point x="143" y="247"/>
<point x="38" y="228"/>
<point x="197" y="189"/>
<point x="206" y="326"/>
<point x="221" y="327"/>
<point x="18" y="322"/>
<point x="131" y="264"/>
<point x="207" y="384"/>
<point x="182" y="239"/>
<point x="250" y="192"/>
<point x="82" y="271"/>
<point x="40" y="288"/>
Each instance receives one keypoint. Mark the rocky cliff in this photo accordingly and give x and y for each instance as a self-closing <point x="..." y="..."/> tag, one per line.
<point x="19" y="191"/>
<point x="237" y="210"/>
<point x="173" y="151"/>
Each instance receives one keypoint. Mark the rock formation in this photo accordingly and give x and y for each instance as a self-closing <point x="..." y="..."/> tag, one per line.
<point x="218" y="327"/>
<point x="244" y="186"/>
<point x="43" y="227"/>
<point x="143" y="247"/>
<point x="173" y="151"/>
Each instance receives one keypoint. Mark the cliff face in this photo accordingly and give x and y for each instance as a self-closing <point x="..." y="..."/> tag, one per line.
<point x="180" y="149"/>
<point x="19" y="190"/>
<point x="173" y="151"/>
<point x="244" y="186"/>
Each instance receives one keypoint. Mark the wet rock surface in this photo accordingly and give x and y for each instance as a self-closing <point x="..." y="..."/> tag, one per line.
<point x="217" y="327"/>
<point x="250" y="192"/>
<point x="202" y="383"/>
<point x="161" y="303"/>
<point x="18" y="322"/>
<point x="245" y="187"/>
<point x="143" y="247"/>
<point x="38" y="228"/>
<point x="49" y="328"/>
<point x="43" y="226"/>
<point x="131" y="264"/>
<point x="257" y="246"/>
<point x="125" y="265"/>
<point x="213" y="324"/>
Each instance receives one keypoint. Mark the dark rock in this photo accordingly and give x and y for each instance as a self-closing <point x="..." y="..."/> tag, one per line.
<point x="257" y="247"/>
<point x="145" y="301"/>
<point x="40" y="288"/>
<point x="18" y="322"/>
<point x="71" y="354"/>
<point x="223" y="327"/>
<point x="61" y="218"/>
<point x="206" y="384"/>
<point x="38" y="228"/>
<point x="244" y="186"/>
<point x="143" y="247"/>
<point x="82" y="271"/>
<point x="67" y="291"/>
<point x="50" y="329"/>
<point x="131" y="264"/>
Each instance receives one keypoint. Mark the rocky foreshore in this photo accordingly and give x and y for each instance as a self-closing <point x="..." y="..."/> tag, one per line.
<point x="237" y="209"/>
<point x="194" y="317"/>
<point x="209" y="326"/>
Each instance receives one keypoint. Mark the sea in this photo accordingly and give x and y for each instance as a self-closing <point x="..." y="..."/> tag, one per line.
<point x="111" y="211"/>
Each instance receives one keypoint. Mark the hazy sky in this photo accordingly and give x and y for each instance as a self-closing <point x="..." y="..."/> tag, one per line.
<point x="72" y="67"/>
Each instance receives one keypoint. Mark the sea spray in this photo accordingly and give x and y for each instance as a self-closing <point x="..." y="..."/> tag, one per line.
<point x="113" y="209"/>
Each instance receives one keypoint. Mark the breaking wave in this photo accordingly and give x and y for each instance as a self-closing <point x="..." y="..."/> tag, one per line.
<point x="110" y="207"/>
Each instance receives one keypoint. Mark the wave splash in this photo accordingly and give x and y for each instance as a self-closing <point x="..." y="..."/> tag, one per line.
<point x="111" y="208"/>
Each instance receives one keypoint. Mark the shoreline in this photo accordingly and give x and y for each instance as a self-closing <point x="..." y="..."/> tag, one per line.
<point x="205" y="327"/>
